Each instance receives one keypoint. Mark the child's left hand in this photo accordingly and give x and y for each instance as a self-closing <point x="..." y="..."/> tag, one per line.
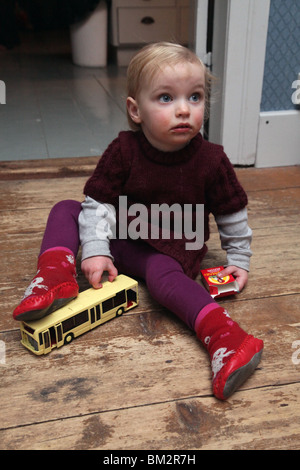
<point x="240" y="274"/>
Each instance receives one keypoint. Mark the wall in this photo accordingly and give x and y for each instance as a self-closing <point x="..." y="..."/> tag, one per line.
<point x="282" y="61"/>
<point x="278" y="140"/>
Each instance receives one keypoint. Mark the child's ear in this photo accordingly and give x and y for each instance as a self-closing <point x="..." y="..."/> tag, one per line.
<point x="133" y="110"/>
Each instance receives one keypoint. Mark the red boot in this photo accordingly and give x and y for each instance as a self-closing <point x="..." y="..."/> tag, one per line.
<point x="238" y="368"/>
<point x="53" y="286"/>
<point x="233" y="353"/>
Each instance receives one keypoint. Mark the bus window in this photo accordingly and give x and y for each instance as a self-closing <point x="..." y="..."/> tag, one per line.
<point x="68" y="325"/>
<point x="33" y="343"/>
<point x="81" y="318"/>
<point x="27" y="328"/>
<point x="77" y="320"/>
<point x="120" y="298"/>
<point x="107" y="305"/>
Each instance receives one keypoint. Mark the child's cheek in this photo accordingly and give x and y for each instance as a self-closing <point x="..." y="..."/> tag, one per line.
<point x="198" y="117"/>
<point x="162" y="119"/>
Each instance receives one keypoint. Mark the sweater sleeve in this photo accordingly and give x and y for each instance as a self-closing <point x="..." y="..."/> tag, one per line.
<point x="105" y="184"/>
<point x="225" y="194"/>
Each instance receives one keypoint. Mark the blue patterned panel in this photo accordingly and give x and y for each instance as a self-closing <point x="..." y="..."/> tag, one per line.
<point x="282" y="62"/>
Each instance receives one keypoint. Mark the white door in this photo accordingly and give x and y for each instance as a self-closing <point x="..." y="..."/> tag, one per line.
<point x="278" y="142"/>
<point x="239" y="39"/>
<point x="199" y="15"/>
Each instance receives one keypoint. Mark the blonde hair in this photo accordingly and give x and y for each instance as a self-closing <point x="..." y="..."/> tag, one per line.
<point x="150" y="60"/>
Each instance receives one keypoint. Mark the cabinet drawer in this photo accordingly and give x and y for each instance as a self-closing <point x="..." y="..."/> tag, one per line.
<point x="144" y="3"/>
<point x="143" y="25"/>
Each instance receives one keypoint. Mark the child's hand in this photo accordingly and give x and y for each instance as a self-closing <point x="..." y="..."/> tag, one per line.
<point x="94" y="267"/>
<point x="240" y="274"/>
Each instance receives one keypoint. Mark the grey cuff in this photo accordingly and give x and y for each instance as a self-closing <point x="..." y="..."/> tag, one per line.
<point x="95" y="248"/>
<point x="239" y="260"/>
<point x="236" y="237"/>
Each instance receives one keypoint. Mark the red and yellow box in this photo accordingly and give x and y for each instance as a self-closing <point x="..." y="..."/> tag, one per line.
<point x="218" y="287"/>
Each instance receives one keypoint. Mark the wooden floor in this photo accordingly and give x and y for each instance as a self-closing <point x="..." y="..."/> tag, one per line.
<point x="142" y="381"/>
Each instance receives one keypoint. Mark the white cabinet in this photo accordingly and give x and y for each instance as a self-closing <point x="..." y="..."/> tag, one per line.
<point x="134" y="23"/>
<point x="140" y="25"/>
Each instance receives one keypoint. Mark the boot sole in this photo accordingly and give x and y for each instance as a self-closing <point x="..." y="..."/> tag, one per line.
<point x="238" y="377"/>
<point x="33" y="315"/>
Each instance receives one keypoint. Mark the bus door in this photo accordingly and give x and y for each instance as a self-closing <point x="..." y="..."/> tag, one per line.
<point x="93" y="314"/>
<point x="46" y="341"/>
<point x="59" y="335"/>
<point x="131" y="297"/>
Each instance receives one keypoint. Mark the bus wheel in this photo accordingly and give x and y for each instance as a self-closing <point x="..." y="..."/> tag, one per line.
<point x="120" y="311"/>
<point x="69" y="338"/>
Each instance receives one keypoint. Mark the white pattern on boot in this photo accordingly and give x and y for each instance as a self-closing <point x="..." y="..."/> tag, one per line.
<point x="34" y="283"/>
<point x="70" y="258"/>
<point x="217" y="360"/>
<point x="226" y="313"/>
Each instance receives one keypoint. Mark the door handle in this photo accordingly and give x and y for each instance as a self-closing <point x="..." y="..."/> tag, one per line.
<point x="147" y="20"/>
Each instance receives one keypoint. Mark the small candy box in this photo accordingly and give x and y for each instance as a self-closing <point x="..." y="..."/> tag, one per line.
<point x="218" y="287"/>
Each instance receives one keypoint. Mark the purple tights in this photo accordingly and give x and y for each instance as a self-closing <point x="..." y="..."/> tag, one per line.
<point x="164" y="276"/>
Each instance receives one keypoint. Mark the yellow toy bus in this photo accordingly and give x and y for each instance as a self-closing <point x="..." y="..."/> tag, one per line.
<point x="91" y="308"/>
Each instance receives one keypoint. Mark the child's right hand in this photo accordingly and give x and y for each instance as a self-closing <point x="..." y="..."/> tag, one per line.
<point x="94" y="267"/>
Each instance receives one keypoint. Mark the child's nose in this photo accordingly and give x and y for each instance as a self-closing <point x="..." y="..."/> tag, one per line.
<point x="182" y="108"/>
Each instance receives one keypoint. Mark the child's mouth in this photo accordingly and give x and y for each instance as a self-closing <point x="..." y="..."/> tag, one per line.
<point x="181" y="128"/>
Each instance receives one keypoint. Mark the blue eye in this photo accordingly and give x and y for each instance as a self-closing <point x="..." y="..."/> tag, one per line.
<point x="195" y="97"/>
<point x="165" y="98"/>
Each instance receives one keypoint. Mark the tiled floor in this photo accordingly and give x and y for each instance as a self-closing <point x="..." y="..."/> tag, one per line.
<point x="53" y="108"/>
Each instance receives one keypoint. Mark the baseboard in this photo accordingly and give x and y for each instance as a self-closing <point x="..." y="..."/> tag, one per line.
<point x="278" y="142"/>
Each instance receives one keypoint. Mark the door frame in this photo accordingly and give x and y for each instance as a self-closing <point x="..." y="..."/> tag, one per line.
<point x="238" y="57"/>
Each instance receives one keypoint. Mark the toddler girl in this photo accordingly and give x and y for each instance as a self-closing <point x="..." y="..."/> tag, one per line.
<point x="162" y="160"/>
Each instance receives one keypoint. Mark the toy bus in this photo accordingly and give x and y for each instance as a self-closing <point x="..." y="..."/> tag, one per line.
<point x="90" y="309"/>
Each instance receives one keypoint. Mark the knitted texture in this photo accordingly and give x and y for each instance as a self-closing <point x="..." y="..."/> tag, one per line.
<point x="200" y="173"/>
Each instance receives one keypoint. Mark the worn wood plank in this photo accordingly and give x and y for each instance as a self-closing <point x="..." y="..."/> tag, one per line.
<point x="22" y="195"/>
<point x="261" y="179"/>
<point x="135" y="360"/>
<point x="193" y="423"/>
<point x="252" y="179"/>
<point x="124" y="363"/>
<point x="19" y="196"/>
<point x="48" y="168"/>
<point x="143" y="381"/>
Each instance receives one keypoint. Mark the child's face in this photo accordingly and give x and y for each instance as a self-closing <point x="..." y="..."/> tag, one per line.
<point x="170" y="108"/>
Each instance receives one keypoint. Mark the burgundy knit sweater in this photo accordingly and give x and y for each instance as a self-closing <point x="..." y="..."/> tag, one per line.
<point x="200" y="173"/>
